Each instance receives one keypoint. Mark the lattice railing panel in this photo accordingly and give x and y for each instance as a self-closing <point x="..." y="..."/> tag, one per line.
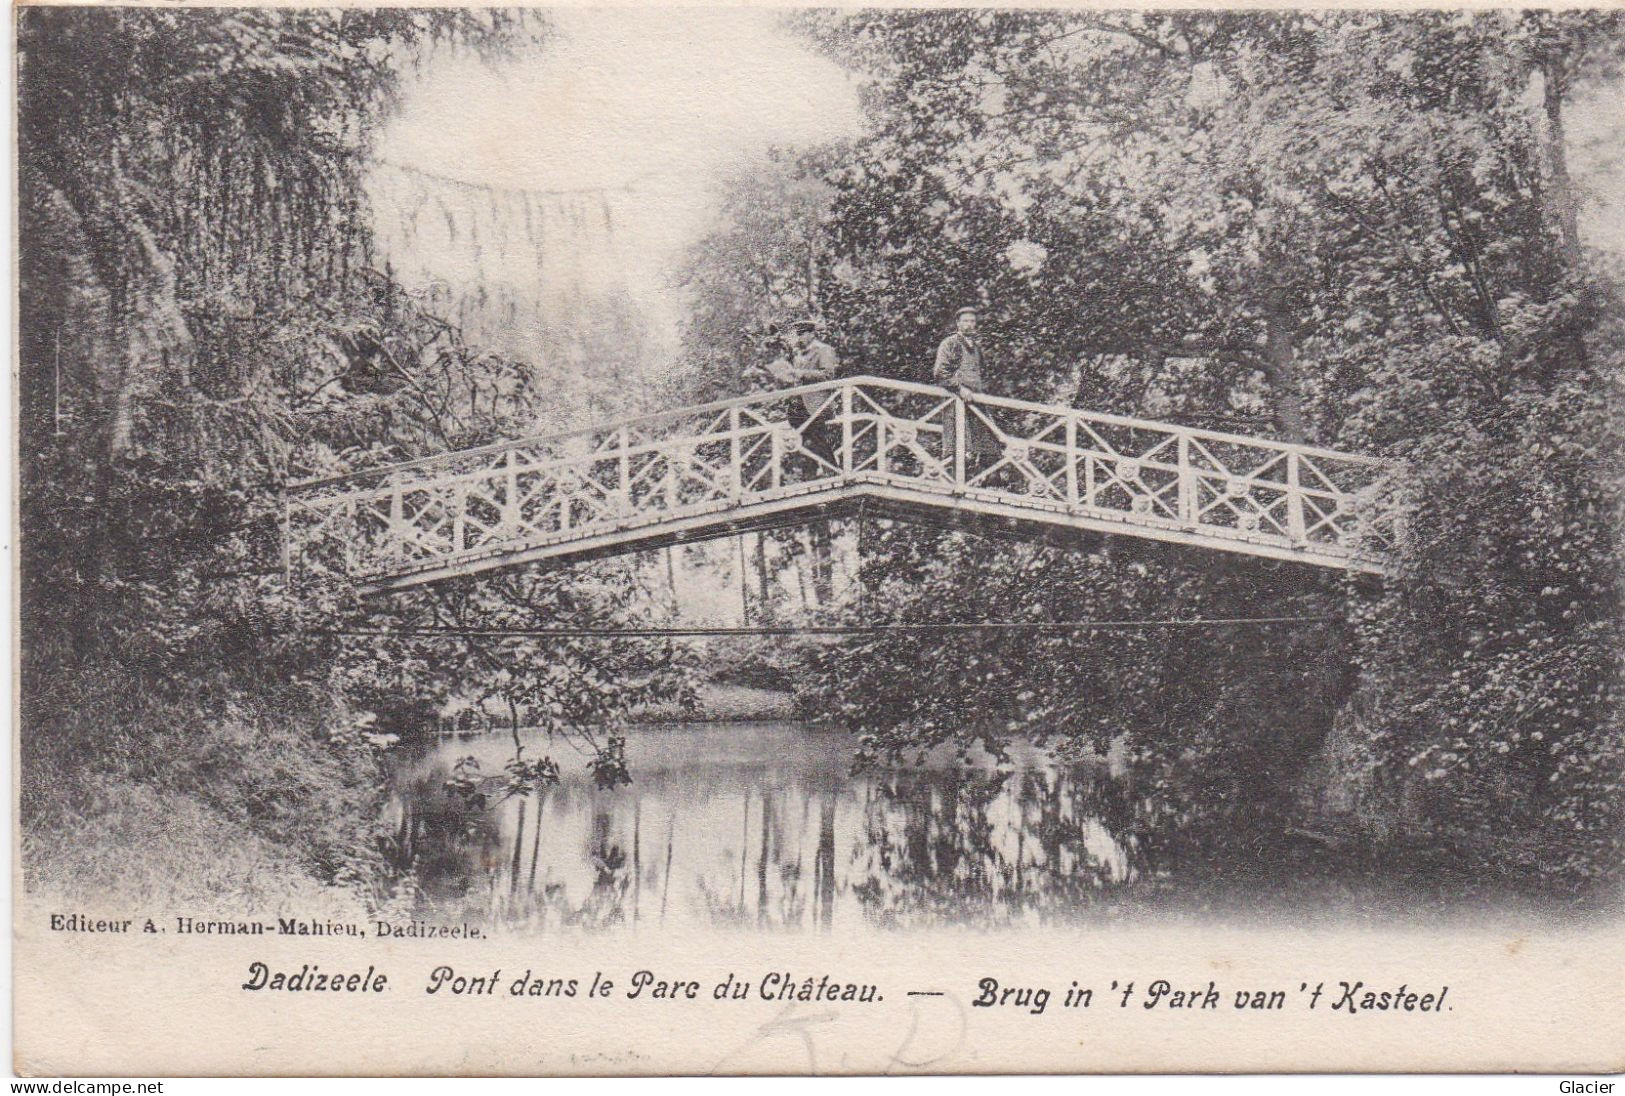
<point x="1053" y="463"/>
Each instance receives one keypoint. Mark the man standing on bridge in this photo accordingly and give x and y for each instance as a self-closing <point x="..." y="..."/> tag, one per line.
<point x="812" y="360"/>
<point x="959" y="367"/>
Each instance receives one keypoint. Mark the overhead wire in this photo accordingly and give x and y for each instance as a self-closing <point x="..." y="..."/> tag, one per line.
<point x="715" y="631"/>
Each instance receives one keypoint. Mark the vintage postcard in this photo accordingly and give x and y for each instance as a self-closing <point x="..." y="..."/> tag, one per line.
<point x="759" y="540"/>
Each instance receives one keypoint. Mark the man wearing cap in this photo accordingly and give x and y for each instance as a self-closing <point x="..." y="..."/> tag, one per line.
<point x="959" y="356"/>
<point x="959" y="367"/>
<point x="814" y="360"/>
<point x="811" y="360"/>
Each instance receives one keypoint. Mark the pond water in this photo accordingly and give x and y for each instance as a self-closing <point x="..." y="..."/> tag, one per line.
<point x="763" y="825"/>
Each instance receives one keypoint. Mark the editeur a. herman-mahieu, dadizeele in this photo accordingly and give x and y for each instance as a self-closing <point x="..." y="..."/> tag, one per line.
<point x="302" y="926"/>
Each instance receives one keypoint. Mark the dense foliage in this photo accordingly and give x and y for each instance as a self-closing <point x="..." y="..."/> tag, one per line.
<point x="203" y="320"/>
<point x="1350" y="228"/>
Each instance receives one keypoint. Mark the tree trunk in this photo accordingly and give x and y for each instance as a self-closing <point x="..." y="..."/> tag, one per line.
<point x="762" y="580"/>
<point x="822" y="563"/>
<point x="812" y="280"/>
<point x="803" y="564"/>
<point x="1281" y="366"/>
<point x="1554" y="77"/>
<point x="671" y="583"/>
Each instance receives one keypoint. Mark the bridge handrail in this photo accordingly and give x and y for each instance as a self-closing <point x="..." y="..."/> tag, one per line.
<point x="860" y="381"/>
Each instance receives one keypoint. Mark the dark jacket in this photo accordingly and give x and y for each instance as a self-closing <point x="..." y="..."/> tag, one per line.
<point x="959" y="362"/>
<point x="815" y="362"/>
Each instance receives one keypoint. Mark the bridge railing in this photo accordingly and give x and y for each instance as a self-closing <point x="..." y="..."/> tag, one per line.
<point x="1224" y="489"/>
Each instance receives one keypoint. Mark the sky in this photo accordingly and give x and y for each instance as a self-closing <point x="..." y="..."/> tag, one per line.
<point x="657" y="106"/>
<point x="1596" y="141"/>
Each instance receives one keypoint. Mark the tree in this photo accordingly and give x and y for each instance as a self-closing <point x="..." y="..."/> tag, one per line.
<point x="203" y="320"/>
<point x="1353" y="228"/>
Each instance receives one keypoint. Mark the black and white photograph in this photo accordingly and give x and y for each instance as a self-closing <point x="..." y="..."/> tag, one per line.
<point x="558" y="482"/>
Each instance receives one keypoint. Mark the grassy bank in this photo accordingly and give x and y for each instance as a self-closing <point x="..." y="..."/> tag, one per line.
<point x="217" y="802"/>
<point x="222" y="800"/>
<point x="725" y="704"/>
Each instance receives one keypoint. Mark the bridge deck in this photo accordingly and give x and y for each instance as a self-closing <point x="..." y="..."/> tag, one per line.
<point x="783" y="457"/>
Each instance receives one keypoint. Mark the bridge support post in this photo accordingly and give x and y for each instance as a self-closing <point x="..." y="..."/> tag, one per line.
<point x="1071" y="461"/>
<point x="735" y="461"/>
<point x="846" y="431"/>
<point x="624" y="468"/>
<point x="961" y="441"/>
<point x="1294" y="500"/>
<point x="1187" y="484"/>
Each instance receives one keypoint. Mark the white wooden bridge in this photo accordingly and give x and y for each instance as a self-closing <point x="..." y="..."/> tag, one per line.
<point x="782" y="458"/>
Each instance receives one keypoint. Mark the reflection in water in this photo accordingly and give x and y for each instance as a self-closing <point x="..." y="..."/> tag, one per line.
<point x="1034" y="842"/>
<point x="761" y="825"/>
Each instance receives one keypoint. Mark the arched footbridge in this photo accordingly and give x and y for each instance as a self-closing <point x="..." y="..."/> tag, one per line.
<point x="889" y="448"/>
